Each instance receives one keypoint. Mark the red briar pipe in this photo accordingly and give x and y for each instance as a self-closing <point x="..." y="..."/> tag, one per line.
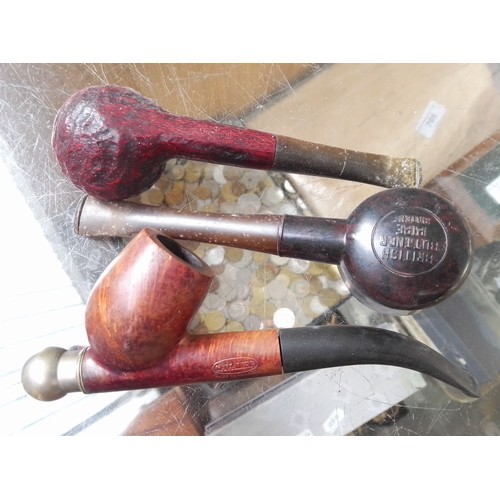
<point x="137" y="318"/>
<point x="113" y="143"/>
<point x="401" y="250"/>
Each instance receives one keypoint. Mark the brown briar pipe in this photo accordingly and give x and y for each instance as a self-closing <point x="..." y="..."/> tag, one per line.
<point x="112" y="142"/>
<point x="401" y="250"/>
<point x="138" y="314"/>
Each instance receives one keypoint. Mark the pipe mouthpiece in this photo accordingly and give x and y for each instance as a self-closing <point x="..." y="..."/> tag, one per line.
<point x="312" y="348"/>
<point x="407" y="173"/>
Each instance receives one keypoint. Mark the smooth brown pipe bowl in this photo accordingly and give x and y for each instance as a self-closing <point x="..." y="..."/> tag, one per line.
<point x="129" y="323"/>
<point x="113" y="143"/>
<point x="138" y="317"/>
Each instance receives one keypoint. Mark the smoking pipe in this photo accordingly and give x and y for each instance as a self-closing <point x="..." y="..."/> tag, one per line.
<point x="401" y="249"/>
<point x="112" y="142"/>
<point x="138" y="314"/>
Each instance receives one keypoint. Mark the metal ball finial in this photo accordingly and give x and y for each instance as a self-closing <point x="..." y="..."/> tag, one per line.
<point x="39" y="375"/>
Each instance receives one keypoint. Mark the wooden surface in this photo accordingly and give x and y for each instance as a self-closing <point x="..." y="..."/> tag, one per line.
<point x="378" y="108"/>
<point x="217" y="90"/>
<point x="199" y="90"/>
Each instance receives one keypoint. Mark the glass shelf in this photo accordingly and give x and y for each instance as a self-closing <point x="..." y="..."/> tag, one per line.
<point x="445" y="115"/>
